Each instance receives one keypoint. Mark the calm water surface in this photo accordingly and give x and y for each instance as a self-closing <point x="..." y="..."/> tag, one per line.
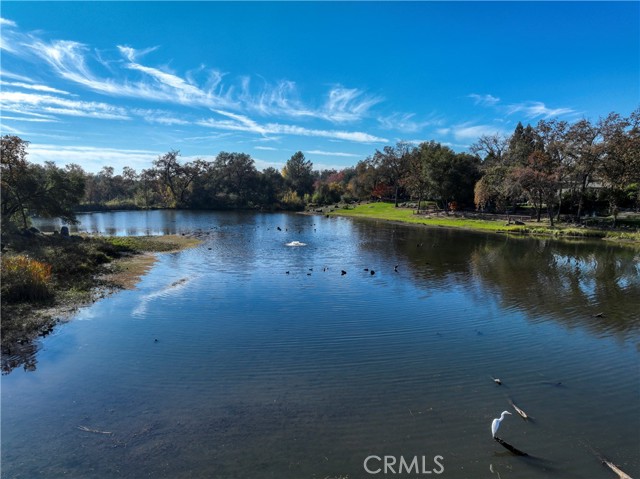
<point x="259" y="373"/>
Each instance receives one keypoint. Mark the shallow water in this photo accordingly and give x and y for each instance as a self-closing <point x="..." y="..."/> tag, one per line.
<point x="260" y="373"/>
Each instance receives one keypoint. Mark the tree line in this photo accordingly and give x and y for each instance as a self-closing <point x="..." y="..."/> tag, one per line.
<point x="554" y="167"/>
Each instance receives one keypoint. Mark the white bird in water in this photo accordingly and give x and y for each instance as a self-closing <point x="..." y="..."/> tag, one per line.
<point x="496" y="423"/>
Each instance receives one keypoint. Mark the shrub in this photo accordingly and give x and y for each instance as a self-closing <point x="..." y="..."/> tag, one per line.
<point x="292" y="201"/>
<point x="25" y="279"/>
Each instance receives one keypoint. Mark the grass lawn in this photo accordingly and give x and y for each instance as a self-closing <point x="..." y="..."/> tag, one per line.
<point x="386" y="211"/>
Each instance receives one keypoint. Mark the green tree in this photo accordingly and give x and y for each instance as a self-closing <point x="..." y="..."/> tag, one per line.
<point x="450" y="177"/>
<point x="237" y="174"/>
<point x="176" y="177"/>
<point x="522" y="143"/>
<point x="364" y="179"/>
<point x="27" y="189"/>
<point x="298" y="173"/>
<point x="417" y="180"/>
<point x="271" y="186"/>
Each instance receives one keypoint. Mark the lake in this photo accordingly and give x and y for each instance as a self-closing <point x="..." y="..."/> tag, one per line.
<point x="249" y="357"/>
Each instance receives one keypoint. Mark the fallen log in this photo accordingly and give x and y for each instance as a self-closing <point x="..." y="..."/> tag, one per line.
<point x="621" y="474"/>
<point x="523" y="414"/>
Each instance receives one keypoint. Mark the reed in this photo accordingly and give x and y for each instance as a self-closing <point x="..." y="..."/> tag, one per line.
<point x="25" y="279"/>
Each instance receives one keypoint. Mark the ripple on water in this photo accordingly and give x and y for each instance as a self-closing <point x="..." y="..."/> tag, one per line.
<point x="307" y="373"/>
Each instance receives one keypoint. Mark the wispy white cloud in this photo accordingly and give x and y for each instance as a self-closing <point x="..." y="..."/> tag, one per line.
<point x="214" y="136"/>
<point x="356" y="136"/>
<point x="470" y="132"/>
<point x="530" y="109"/>
<point x="265" y="148"/>
<point x="30" y="119"/>
<point x="161" y="117"/>
<point x="9" y="36"/>
<point x="348" y="104"/>
<point x="91" y="158"/>
<point x="10" y="129"/>
<point x="132" y="54"/>
<point x="341" y="105"/>
<point x="14" y="76"/>
<point x="455" y="145"/>
<point x="5" y="22"/>
<point x="535" y="109"/>
<point x="484" y="100"/>
<point x="69" y="60"/>
<point x="30" y="103"/>
<point x="406" y="122"/>
<point x="333" y="153"/>
<point x="73" y="61"/>
<point x="31" y="86"/>
<point x="121" y="73"/>
<point x="281" y="99"/>
<point x="237" y="122"/>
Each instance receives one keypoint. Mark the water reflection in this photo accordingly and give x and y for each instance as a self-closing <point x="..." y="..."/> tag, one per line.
<point x="261" y="373"/>
<point x="577" y="283"/>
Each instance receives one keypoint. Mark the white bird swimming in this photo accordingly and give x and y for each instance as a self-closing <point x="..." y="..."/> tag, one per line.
<point x="496" y="423"/>
<point x="296" y="243"/>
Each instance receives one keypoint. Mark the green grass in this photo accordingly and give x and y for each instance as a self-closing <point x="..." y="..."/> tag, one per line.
<point x="137" y="244"/>
<point x="387" y="212"/>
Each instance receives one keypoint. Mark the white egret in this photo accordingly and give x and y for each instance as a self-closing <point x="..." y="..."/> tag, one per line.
<point x="496" y="423"/>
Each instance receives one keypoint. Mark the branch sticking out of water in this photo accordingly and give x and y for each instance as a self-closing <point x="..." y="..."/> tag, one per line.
<point x="509" y="447"/>
<point x="621" y="474"/>
<point x="522" y="414"/>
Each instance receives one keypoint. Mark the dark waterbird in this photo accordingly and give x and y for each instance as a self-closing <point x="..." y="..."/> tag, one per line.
<point x="343" y="273"/>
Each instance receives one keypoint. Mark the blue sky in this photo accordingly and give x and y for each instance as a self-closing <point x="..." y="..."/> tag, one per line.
<point x="119" y="83"/>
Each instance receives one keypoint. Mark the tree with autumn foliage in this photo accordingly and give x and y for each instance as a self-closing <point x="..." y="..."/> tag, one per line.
<point x="539" y="180"/>
<point x="393" y="162"/>
<point x="619" y="170"/>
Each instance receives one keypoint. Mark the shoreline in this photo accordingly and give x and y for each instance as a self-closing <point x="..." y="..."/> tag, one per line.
<point x="128" y="259"/>
<point x="388" y="213"/>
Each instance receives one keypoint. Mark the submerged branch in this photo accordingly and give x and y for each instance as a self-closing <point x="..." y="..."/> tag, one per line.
<point x="509" y="447"/>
